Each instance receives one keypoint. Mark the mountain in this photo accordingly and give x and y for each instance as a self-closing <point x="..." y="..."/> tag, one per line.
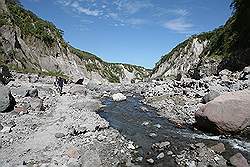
<point x="227" y="47"/>
<point x="30" y="44"/>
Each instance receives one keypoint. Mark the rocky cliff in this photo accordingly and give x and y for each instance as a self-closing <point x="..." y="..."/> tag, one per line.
<point x="226" y="47"/>
<point x="30" y="44"/>
<point x="187" y="59"/>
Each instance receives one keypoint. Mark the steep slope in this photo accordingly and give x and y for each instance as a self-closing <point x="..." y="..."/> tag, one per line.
<point x="30" y="44"/>
<point x="191" y="58"/>
<point x="208" y="53"/>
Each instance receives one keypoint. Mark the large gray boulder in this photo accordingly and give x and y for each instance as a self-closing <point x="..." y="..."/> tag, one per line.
<point x="7" y="101"/>
<point x="228" y="113"/>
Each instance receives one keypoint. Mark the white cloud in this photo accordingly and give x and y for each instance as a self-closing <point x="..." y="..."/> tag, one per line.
<point x="86" y="11"/>
<point x="136" y="21"/>
<point x="132" y="6"/>
<point x="179" y="25"/>
<point x="181" y="12"/>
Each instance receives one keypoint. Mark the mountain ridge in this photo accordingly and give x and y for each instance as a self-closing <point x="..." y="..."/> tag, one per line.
<point x="227" y="48"/>
<point x="31" y="44"/>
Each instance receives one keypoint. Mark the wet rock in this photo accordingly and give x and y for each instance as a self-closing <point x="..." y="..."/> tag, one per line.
<point x="210" y="96"/>
<point x="150" y="161"/>
<point x="218" y="148"/>
<point x="161" y="145"/>
<point x="152" y="134"/>
<point x="59" y="135"/>
<point x="157" y="125"/>
<point x="7" y="101"/>
<point x="139" y="159"/>
<point x="228" y="113"/>
<point x="145" y="123"/>
<point x="160" y="156"/>
<point x="239" y="161"/>
<point x="119" y="97"/>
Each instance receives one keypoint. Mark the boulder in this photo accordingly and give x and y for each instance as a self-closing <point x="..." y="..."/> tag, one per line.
<point x="225" y="72"/>
<point x="5" y="75"/>
<point x="210" y="96"/>
<point x="35" y="104"/>
<point x="218" y="148"/>
<point x="239" y="161"/>
<point x="78" y="89"/>
<point x="245" y="75"/>
<point x="32" y="93"/>
<point x="119" y="97"/>
<point x="7" y="101"/>
<point x="228" y="113"/>
<point x="80" y="81"/>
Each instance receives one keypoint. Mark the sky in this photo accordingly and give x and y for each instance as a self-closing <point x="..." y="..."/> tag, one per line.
<point x="136" y="32"/>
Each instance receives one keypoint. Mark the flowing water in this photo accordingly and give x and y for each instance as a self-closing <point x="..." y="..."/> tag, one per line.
<point x="136" y="121"/>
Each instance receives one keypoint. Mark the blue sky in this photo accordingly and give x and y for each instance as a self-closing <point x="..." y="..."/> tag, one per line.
<point x="130" y="31"/>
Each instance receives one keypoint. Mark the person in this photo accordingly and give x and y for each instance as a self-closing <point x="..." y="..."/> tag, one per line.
<point x="60" y="84"/>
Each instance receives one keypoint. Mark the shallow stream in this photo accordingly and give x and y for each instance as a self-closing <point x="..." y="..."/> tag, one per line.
<point x="142" y="125"/>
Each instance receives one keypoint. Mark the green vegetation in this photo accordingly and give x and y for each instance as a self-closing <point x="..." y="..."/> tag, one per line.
<point x="31" y="25"/>
<point x="232" y="42"/>
<point x="35" y="71"/>
<point x="84" y="55"/>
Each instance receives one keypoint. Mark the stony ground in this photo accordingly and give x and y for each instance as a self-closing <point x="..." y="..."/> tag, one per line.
<point x="54" y="130"/>
<point x="47" y="129"/>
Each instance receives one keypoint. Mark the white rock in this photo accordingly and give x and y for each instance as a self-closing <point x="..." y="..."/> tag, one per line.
<point x="118" y="97"/>
<point x="145" y="123"/>
<point x="151" y="161"/>
<point x="160" y="156"/>
<point x="157" y="125"/>
<point x="169" y="153"/>
<point x="131" y="146"/>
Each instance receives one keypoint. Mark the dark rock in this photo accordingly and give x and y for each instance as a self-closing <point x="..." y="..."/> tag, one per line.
<point x="210" y="96"/>
<point x="5" y="75"/>
<point x="245" y="75"/>
<point x="228" y="113"/>
<point x="80" y="81"/>
<point x="1" y="127"/>
<point x="178" y="77"/>
<point x="239" y="161"/>
<point x="32" y="93"/>
<point x="7" y="101"/>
